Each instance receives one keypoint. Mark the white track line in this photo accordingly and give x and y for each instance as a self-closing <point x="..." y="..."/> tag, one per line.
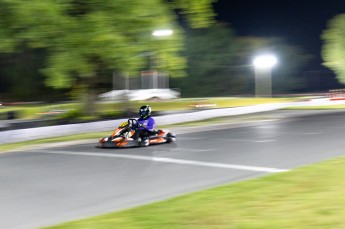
<point x="264" y="141"/>
<point x="171" y="160"/>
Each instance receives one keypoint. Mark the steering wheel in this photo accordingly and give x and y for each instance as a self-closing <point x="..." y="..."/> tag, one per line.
<point x="133" y="123"/>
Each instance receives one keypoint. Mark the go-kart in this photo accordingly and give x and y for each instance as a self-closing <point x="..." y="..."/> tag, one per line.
<point x="125" y="136"/>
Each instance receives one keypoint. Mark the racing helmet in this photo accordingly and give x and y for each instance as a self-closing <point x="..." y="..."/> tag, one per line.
<point x="145" y="111"/>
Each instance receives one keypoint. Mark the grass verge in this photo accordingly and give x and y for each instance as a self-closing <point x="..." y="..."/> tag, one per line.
<point x="20" y="145"/>
<point x="97" y="135"/>
<point x="173" y="105"/>
<point x="308" y="197"/>
<point x="35" y="111"/>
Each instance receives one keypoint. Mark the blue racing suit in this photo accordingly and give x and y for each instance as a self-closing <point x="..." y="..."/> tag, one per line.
<point x="147" y="124"/>
<point x="147" y="128"/>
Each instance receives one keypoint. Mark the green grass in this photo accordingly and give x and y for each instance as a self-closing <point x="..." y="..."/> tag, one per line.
<point x="309" y="197"/>
<point x="185" y="104"/>
<point x="19" y="145"/>
<point x="33" y="111"/>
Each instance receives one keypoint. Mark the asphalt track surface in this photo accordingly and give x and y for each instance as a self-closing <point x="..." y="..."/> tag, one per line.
<point x="41" y="187"/>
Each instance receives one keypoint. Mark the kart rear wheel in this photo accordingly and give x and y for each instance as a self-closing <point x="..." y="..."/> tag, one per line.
<point x="145" y="142"/>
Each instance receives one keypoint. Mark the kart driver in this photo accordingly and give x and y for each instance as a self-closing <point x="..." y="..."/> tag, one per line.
<point x="147" y="127"/>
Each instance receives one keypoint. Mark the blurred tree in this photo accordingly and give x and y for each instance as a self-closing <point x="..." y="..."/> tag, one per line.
<point x="220" y="64"/>
<point x="198" y="14"/>
<point x="288" y="75"/>
<point x="333" y="49"/>
<point x="21" y="79"/>
<point x="84" y="38"/>
<point x="210" y="52"/>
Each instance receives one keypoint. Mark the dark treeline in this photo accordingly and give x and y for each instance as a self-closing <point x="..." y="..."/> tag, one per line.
<point x="218" y="64"/>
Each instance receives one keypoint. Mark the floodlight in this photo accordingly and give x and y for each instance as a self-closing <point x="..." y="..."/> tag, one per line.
<point x="162" y="33"/>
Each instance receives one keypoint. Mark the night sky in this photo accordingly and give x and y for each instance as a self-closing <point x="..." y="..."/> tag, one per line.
<point x="299" y="22"/>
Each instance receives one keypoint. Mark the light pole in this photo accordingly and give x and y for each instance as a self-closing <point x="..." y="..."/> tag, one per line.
<point x="159" y="33"/>
<point x="263" y="65"/>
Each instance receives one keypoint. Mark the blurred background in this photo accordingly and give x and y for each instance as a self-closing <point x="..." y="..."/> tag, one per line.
<point x="90" y="60"/>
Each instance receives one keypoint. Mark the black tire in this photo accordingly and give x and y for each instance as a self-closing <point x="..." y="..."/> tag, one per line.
<point x="144" y="144"/>
<point x="171" y="137"/>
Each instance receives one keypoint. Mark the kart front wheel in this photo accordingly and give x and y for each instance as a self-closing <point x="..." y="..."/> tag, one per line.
<point x="171" y="137"/>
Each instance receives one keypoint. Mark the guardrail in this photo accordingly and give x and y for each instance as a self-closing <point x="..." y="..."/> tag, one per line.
<point x="21" y="135"/>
